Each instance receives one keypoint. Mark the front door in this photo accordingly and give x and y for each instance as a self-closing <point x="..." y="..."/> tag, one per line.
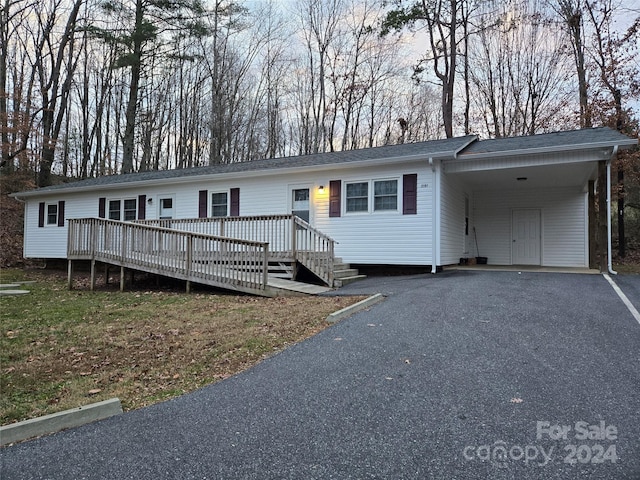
<point x="526" y="237"/>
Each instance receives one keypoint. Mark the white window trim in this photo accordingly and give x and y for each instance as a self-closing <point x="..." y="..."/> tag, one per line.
<point x="122" y="200"/>
<point x="346" y="199"/>
<point x="215" y="192"/>
<point x="371" y="197"/>
<point x="46" y="214"/>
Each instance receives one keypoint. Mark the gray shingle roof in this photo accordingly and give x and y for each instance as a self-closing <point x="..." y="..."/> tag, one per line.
<point x="446" y="148"/>
<point x="587" y="137"/>
<point x="435" y="148"/>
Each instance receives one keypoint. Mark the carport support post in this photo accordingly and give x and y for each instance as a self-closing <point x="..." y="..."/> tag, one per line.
<point x="593" y="225"/>
<point x="602" y="215"/>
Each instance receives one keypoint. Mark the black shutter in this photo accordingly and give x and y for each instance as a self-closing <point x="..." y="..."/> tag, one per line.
<point x="335" y="190"/>
<point x="410" y="194"/>
<point x="142" y="207"/>
<point x="61" y="213"/>
<point x="202" y="204"/>
<point x="102" y="207"/>
<point x="41" y="215"/>
<point x="235" y="202"/>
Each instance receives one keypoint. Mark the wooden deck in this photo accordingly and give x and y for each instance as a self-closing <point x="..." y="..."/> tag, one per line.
<point x="190" y="250"/>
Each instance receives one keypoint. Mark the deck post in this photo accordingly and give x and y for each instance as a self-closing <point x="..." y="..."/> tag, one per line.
<point x="122" y="279"/>
<point x="265" y="266"/>
<point x="69" y="274"/>
<point x="293" y="237"/>
<point x="93" y="274"/>
<point x="189" y="260"/>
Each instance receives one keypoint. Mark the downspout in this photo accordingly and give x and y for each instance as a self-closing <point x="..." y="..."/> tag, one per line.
<point x="436" y="218"/>
<point x="609" y="261"/>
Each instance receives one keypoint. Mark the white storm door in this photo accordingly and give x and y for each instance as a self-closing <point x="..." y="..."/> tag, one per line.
<point x="526" y="237"/>
<point x="300" y="203"/>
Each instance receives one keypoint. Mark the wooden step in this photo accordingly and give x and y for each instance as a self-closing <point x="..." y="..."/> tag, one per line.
<point x="281" y="270"/>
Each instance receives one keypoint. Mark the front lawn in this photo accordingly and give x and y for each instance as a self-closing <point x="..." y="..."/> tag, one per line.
<point x="61" y="349"/>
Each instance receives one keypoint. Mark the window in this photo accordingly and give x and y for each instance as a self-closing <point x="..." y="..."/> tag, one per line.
<point x="52" y="214"/>
<point x="219" y="204"/>
<point x="126" y="210"/>
<point x="114" y="210"/>
<point x="385" y="195"/>
<point x="130" y="210"/>
<point x="357" y="197"/>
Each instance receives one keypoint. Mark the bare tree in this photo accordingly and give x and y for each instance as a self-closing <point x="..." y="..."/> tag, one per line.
<point x="442" y="20"/>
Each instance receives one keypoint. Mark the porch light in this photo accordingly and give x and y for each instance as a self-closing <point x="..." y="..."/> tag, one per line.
<point x="149" y="200"/>
<point x="522" y="179"/>
<point x="321" y="189"/>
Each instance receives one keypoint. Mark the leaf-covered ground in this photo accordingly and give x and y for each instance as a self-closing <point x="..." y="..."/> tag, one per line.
<point x="60" y="349"/>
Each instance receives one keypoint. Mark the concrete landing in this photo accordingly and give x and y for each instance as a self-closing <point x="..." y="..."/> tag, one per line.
<point x="522" y="268"/>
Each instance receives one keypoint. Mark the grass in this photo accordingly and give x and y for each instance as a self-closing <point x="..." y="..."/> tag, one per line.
<point x="61" y="349"/>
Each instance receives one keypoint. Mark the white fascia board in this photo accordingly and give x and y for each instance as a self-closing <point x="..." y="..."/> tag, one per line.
<point x="232" y="175"/>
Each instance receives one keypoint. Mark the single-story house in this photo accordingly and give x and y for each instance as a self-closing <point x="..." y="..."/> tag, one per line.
<point x="515" y="201"/>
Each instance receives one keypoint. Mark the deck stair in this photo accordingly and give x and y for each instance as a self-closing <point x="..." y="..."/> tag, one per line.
<point x="282" y="269"/>
<point x="343" y="274"/>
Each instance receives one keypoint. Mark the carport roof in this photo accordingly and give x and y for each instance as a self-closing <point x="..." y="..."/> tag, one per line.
<point x="548" y="142"/>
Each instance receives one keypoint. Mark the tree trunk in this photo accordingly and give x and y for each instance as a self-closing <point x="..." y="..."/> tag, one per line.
<point x="128" y="139"/>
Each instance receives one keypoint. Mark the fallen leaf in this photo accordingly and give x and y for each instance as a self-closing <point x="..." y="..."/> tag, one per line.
<point x="93" y="391"/>
<point x="516" y="400"/>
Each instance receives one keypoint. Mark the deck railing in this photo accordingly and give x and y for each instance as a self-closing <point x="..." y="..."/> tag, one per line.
<point x="237" y="263"/>
<point x="289" y="237"/>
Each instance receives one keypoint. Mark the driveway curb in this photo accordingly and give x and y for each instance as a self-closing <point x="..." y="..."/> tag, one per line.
<point x="55" y="422"/>
<point x="356" y="307"/>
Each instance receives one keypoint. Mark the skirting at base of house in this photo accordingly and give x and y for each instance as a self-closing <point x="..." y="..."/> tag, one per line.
<point x="394" y="270"/>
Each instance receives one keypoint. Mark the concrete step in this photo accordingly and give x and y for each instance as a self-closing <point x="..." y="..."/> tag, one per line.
<point x="341" y="282"/>
<point x="340" y="266"/>
<point x="350" y="272"/>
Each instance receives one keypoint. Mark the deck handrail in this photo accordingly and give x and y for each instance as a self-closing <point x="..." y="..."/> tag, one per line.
<point x="289" y="237"/>
<point x="237" y="263"/>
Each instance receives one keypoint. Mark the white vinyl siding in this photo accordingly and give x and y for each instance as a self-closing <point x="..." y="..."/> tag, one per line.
<point x="452" y="228"/>
<point x="563" y="224"/>
<point x="383" y="237"/>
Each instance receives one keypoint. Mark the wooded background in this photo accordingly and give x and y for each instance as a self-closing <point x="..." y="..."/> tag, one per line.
<point x="100" y="87"/>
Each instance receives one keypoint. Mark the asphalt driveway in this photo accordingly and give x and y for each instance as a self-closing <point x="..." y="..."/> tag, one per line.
<point x="461" y="375"/>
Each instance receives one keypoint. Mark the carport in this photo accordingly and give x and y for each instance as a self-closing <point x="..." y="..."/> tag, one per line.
<point x="532" y="198"/>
